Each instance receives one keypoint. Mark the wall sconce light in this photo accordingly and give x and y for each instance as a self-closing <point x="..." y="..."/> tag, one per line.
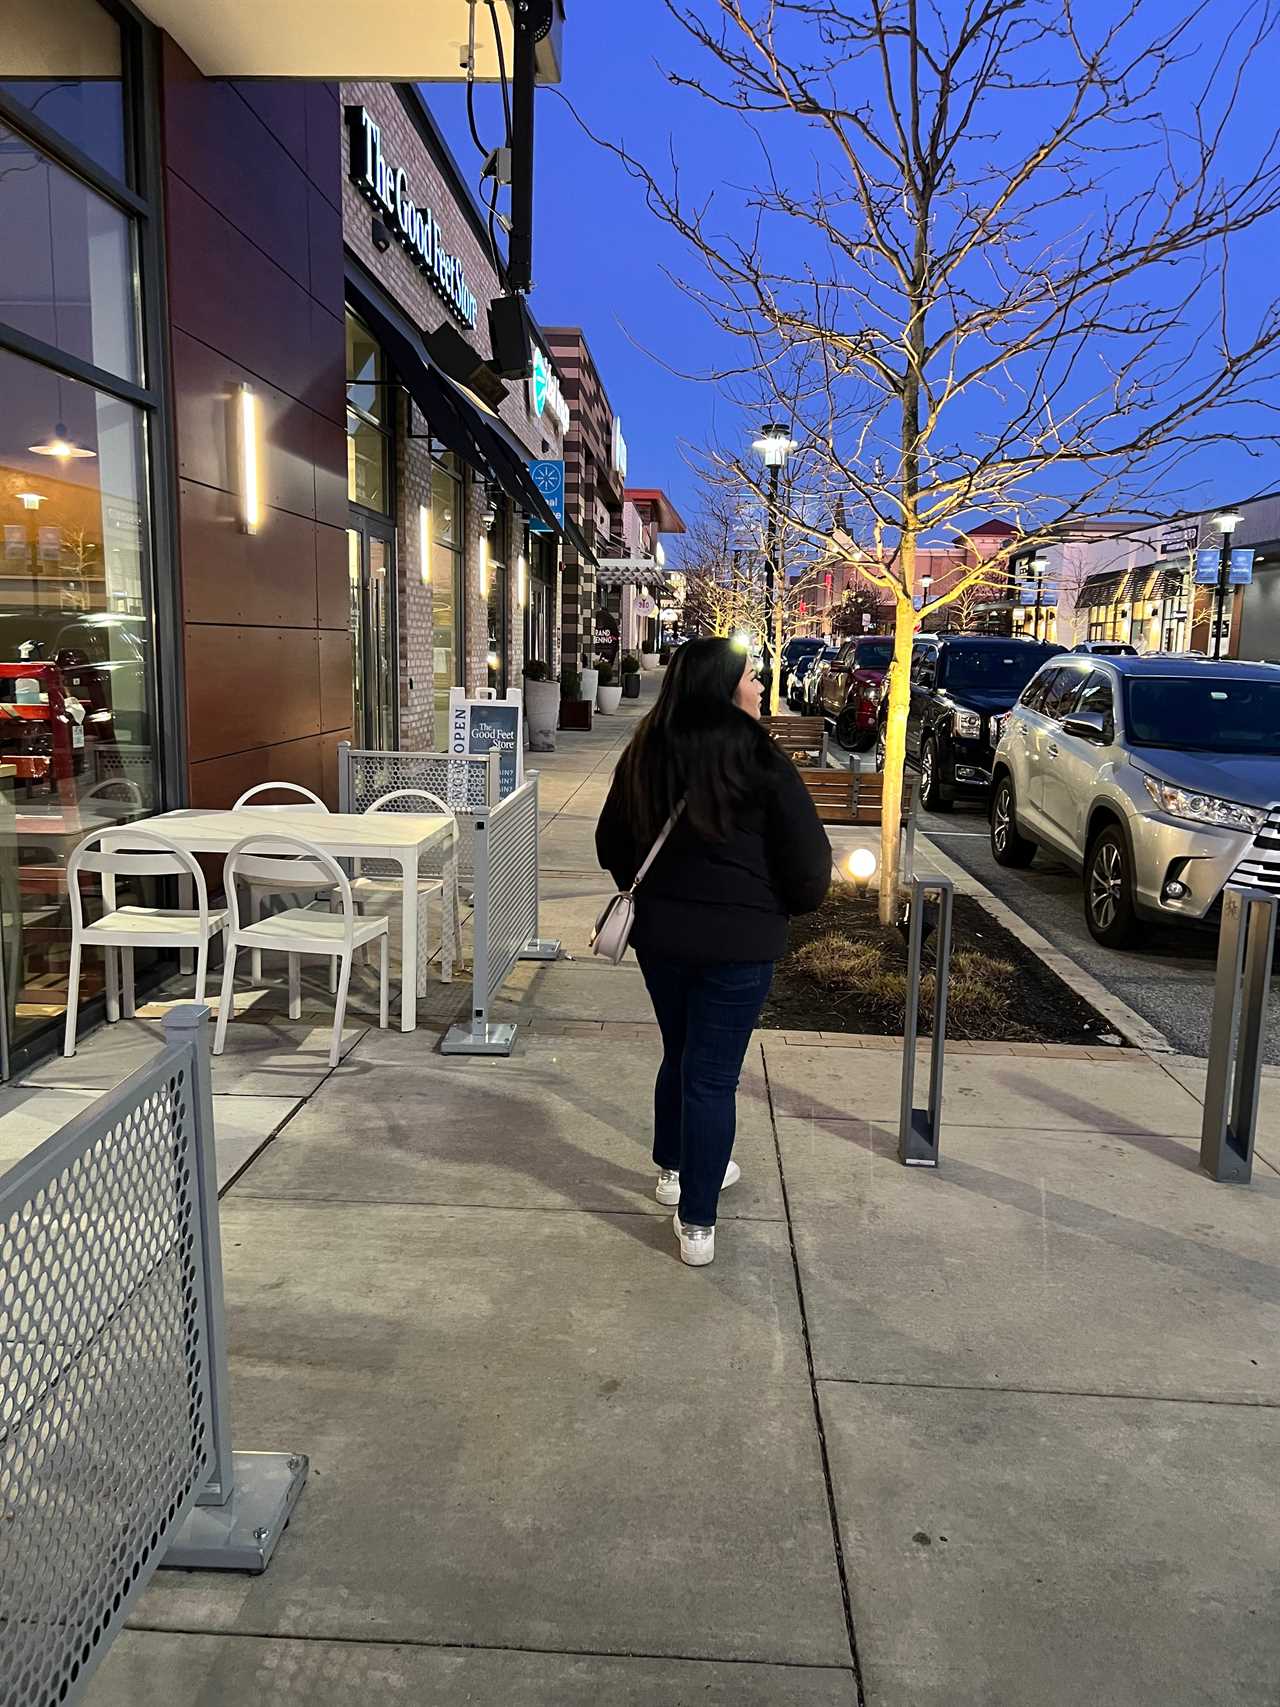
<point x="31" y="500"/>
<point x="250" y="491"/>
<point x="424" y="544"/>
<point x="484" y="566"/>
<point x="522" y="581"/>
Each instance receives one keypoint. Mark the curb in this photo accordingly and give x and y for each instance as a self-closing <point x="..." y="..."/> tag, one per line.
<point x="1140" y="1032"/>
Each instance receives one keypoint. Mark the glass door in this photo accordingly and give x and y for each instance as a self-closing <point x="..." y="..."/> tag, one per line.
<point x="371" y="564"/>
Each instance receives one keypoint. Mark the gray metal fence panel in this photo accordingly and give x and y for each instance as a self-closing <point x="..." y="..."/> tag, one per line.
<point x="505" y="922"/>
<point x="106" y="1414"/>
<point x="115" y="1436"/>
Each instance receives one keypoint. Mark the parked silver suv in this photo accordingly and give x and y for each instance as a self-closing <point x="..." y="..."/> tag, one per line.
<point x="1157" y="777"/>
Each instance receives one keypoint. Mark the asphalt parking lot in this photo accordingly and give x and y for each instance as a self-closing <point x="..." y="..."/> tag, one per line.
<point x="1169" y="980"/>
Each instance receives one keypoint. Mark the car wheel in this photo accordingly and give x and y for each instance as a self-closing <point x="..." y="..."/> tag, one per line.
<point x="1007" y="846"/>
<point x="847" y="732"/>
<point x="931" y="795"/>
<point x="1108" y="890"/>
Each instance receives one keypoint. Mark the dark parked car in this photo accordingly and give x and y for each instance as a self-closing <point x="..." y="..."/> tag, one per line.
<point x="962" y="687"/>
<point x="849" y="694"/>
<point x="800" y="683"/>
<point x="792" y="652"/>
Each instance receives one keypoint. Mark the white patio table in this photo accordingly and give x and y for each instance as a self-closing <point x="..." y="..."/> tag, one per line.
<point x="401" y="837"/>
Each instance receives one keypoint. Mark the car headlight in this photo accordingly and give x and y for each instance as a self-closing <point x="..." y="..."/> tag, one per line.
<point x="870" y="690"/>
<point x="967" y="725"/>
<point x="1203" y="808"/>
<point x="999" y="723"/>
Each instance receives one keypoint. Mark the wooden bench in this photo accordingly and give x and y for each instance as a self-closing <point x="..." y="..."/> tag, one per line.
<point x="798" y="737"/>
<point x="853" y="799"/>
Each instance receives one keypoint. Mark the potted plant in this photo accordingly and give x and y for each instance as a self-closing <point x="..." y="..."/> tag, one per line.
<point x="664" y="654"/>
<point x="609" y="692"/>
<point x="541" y="706"/>
<point x="590" y="678"/>
<point x="649" y="660"/>
<point x="630" y="676"/>
<point x="575" y="707"/>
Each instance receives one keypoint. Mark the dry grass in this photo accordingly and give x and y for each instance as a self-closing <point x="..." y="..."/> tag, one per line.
<point x="979" y="997"/>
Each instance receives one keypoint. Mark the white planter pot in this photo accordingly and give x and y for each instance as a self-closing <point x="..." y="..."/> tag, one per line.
<point x="608" y="700"/>
<point x="590" y="682"/>
<point x="542" y="714"/>
<point x="649" y="660"/>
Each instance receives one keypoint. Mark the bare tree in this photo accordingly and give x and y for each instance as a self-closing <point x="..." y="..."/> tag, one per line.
<point x="984" y="266"/>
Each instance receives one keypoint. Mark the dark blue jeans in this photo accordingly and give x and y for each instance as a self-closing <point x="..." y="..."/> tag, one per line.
<point x="706" y="1015"/>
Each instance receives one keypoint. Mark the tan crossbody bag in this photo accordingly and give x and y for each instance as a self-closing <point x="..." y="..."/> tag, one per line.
<point x="612" y="931"/>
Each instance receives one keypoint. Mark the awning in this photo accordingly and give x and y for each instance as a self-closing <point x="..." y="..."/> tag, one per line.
<point x="629" y="572"/>
<point x="575" y="537"/>
<point x="1101" y="590"/>
<point x="393" y="40"/>
<point x="457" y="419"/>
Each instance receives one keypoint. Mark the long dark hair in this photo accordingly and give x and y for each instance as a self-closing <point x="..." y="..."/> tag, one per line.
<point x="696" y="746"/>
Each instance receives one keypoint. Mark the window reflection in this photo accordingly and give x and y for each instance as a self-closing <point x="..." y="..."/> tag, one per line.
<point x="76" y="735"/>
<point x="62" y="62"/>
<point x="68" y="279"/>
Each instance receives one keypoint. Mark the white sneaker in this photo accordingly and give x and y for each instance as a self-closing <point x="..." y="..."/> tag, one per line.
<point x="697" y="1244"/>
<point x="668" y="1190"/>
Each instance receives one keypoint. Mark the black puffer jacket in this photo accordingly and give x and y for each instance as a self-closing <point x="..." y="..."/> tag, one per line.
<point x="704" y="902"/>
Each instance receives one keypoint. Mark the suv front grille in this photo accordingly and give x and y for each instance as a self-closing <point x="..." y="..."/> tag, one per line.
<point x="1261" y="865"/>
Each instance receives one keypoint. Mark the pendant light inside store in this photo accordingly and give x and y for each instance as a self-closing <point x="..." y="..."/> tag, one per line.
<point x="59" y="444"/>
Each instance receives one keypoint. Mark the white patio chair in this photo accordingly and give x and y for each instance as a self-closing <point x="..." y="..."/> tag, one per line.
<point x="268" y="858"/>
<point x="134" y="853"/>
<point x="117" y="797"/>
<point x="378" y="884"/>
<point x="302" y="891"/>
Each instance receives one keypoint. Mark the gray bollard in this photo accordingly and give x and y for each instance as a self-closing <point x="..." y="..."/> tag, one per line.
<point x="918" y="1128"/>
<point x="1246" y="944"/>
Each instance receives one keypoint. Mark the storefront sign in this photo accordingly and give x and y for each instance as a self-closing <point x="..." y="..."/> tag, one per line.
<point x="480" y="725"/>
<point x="1177" y="538"/>
<point x="1209" y="562"/>
<point x="545" y="395"/>
<point x="386" y="186"/>
<point x="548" y="477"/>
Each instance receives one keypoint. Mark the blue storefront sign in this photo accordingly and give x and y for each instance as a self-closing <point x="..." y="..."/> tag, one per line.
<point x="548" y="477"/>
<point x="1239" y="574"/>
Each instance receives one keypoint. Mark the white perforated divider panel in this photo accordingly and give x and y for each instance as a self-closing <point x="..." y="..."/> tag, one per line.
<point x="106" y="1435"/>
<point x="460" y="780"/>
<point x="510" y="918"/>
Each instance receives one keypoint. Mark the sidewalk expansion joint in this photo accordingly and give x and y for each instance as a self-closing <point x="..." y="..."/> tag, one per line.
<point x="832" y="1512"/>
<point x="658" y="1214"/>
<point x="444" y="1644"/>
<point x="1046" y="1392"/>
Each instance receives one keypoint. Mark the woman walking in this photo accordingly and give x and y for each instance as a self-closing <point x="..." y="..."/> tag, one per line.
<point x="745" y="850"/>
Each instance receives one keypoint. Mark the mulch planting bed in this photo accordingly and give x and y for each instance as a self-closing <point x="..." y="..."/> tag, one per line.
<point x="844" y="972"/>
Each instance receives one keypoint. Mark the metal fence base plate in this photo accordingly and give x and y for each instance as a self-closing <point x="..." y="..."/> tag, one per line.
<point x="487" y="1039"/>
<point x="541" y="948"/>
<point x="918" y="1146"/>
<point x="242" y="1535"/>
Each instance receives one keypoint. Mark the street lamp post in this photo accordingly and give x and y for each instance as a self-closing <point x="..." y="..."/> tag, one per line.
<point x="1039" y="563"/>
<point x="774" y="446"/>
<point x="1227" y="521"/>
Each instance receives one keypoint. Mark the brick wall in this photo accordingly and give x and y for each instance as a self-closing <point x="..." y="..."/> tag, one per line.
<point x="430" y="187"/>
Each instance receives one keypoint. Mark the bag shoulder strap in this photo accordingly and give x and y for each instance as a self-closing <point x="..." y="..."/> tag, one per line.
<point x="657" y="847"/>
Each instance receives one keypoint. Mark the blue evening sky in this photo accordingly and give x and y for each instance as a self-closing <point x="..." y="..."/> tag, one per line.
<point x="602" y="260"/>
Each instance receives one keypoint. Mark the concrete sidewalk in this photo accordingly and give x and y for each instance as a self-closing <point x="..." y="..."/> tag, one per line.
<point x="1002" y="1436"/>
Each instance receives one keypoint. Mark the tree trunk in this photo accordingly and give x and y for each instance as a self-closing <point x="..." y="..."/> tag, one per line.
<point x="895" y="754"/>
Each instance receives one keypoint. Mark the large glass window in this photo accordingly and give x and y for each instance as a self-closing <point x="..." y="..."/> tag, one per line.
<point x="66" y="265"/>
<point x="446" y="582"/>
<point x="76" y="727"/>
<point x="369" y="405"/>
<point x="496" y="573"/>
<point x="62" y="62"/>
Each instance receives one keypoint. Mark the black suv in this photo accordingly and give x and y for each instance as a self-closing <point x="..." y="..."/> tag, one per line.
<point x="961" y="687"/>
